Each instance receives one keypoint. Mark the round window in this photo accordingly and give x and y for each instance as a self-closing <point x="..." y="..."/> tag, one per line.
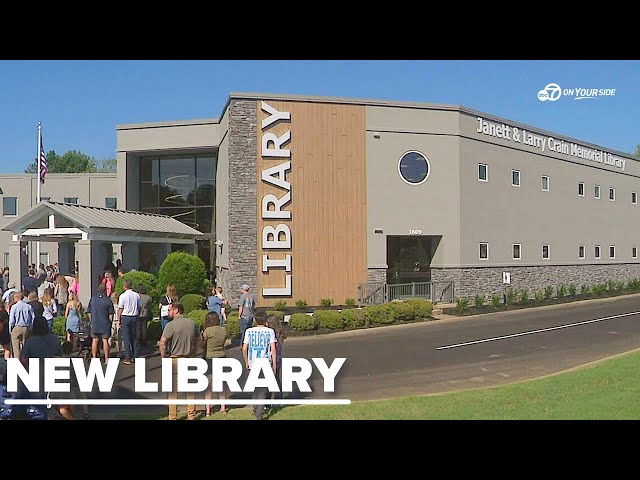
<point x="414" y="167"/>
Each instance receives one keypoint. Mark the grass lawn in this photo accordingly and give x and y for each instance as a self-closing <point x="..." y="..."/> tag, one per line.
<point x="606" y="390"/>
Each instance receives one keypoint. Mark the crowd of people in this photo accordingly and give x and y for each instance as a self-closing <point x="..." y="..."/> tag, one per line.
<point x="27" y="330"/>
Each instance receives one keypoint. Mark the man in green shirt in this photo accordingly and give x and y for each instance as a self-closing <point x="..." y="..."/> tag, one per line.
<point x="184" y="339"/>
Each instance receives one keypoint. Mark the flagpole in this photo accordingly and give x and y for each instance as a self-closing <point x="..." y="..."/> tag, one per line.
<point x="38" y="190"/>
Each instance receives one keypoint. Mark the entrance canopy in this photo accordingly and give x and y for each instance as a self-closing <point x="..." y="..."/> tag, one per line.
<point x="94" y="230"/>
<point x="55" y="222"/>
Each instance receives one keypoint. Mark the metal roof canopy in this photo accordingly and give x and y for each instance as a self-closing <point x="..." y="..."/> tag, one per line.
<point x="60" y="222"/>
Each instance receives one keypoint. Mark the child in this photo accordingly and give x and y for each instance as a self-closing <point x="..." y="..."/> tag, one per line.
<point x="223" y="307"/>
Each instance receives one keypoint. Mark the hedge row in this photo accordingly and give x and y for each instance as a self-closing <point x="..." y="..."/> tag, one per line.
<point x="348" y="319"/>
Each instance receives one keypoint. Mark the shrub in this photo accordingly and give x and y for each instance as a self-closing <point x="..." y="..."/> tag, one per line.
<point x="572" y="289"/>
<point x="462" y="304"/>
<point x="326" y="302"/>
<point x="185" y="271"/>
<point x="633" y="284"/>
<point x="302" y="321"/>
<point x="619" y="286"/>
<point x="585" y="290"/>
<point x="192" y="301"/>
<point x="301" y="304"/>
<point x="350" y="302"/>
<point x="233" y="326"/>
<point x="479" y="300"/>
<point x="539" y="295"/>
<point x="512" y="296"/>
<point x="561" y="291"/>
<point x="421" y="308"/>
<point x="278" y="314"/>
<point x="197" y="316"/>
<point x="548" y="292"/>
<point x="402" y="311"/>
<point x="379" y="314"/>
<point x="139" y="278"/>
<point x="496" y="300"/>
<point x="59" y="326"/>
<point x="524" y="296"/>
<point x="353" y="318"/>
<point x="154" y="331"/>
<point x="329" y="319"/>
<point x="280" y="305"/>
<point x="611" y="285"/>
<point x="599" y="288"/>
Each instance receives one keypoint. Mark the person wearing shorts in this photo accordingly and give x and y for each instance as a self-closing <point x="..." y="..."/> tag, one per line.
<point x="100" y="311"/>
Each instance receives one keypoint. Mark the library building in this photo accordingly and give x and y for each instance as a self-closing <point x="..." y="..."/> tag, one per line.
<point x="307" y="198"/>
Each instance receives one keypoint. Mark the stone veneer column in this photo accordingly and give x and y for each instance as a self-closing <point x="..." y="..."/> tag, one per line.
<point x="243" y="193"/>
<point x="377" y="275"/>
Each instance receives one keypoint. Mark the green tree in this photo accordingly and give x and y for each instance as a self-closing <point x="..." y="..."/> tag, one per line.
<point x="71" y="161"/>
<point x="637" y="154"/>
<point x="109" y="165"/>
<point x="52" y="159"/>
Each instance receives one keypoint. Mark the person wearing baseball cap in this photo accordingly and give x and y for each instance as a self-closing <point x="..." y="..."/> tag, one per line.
<point x="246" y="308"/>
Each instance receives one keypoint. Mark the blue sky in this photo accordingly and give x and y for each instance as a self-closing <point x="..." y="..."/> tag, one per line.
<point x="80" y="102"/>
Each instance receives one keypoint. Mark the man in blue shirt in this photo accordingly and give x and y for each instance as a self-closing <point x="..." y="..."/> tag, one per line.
<point x="20" y="321"/>
<point x="100" y="311"/>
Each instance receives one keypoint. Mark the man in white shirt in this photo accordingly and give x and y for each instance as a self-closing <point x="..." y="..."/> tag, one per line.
<point x="129" y="305"/>
<point x="259" y="342"/>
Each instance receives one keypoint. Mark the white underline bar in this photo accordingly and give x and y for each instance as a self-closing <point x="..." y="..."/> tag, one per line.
<point x="15" y="401"/>
<point x="530" y="332"/>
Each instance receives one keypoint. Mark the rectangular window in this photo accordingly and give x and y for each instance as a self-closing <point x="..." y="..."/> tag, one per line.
<point x="634" y="252"/>
<point x="596" y="191"/>
<point x="484" y="251"/>
<point x="581" y="189"/>
<point x="545" y="183"/>
<point x="516" y="251"/>
<point x="612" y="251"/>
<point x="10" y="206"/>
<point x="73" y="200"/>
<point x="110" y="202"/>
<point x="545" y="252"/>
<point x="596" y="252"/>
<point x="612" y="194"/>
<point x="581" y="251"/>
<point x="634" y="197"/>
<point x="483" y="172"/>
<point x="515" y="178"/>
<point x="44" y="258"/>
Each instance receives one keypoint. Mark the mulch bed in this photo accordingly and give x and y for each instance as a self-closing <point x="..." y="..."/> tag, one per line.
<point x="489" y="308"/>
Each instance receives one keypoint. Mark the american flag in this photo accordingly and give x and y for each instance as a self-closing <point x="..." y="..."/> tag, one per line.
<point x="43" y="161"/>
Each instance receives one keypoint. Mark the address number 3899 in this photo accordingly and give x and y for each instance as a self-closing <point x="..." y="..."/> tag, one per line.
<point x="415" y="232"/>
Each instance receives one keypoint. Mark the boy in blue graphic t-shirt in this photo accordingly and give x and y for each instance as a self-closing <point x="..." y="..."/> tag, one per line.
<point x="259" y="342"/>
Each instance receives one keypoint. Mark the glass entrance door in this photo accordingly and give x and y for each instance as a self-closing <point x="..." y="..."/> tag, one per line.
<point x="409" y="259"/>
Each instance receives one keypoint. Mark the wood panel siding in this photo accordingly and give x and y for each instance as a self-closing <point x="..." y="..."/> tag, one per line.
<point x="328" y="201"/>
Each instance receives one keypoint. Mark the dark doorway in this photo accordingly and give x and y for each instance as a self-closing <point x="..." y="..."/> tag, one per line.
<point x="409" y="258"/>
